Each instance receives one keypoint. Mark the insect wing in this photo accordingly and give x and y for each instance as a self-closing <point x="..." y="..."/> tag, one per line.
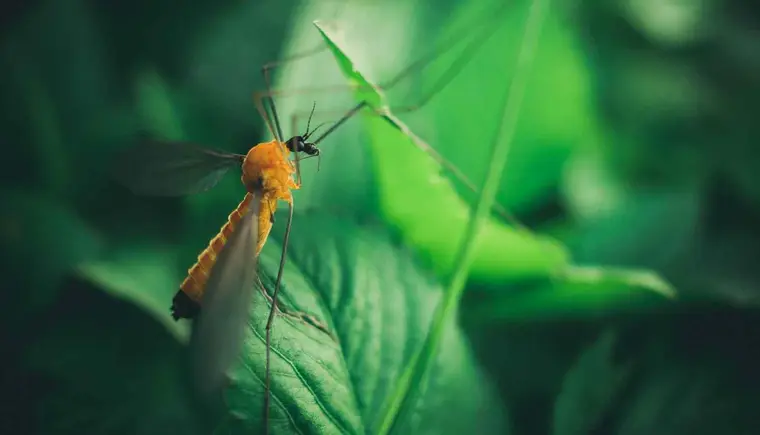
<point x="168" y="168"/>
<point x="219" y="330"/>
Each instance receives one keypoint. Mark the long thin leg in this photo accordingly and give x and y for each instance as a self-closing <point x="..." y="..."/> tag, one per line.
<point x="299" y="316"/>
<point x="279" y="62"/>
<point x="270" y="319"/>
<point x="264" y="115"/>
<point x="449" y="74"/>
<point x="264" y="101"/>
<point x="267" y="82"/>
<point x="487" y="28"/>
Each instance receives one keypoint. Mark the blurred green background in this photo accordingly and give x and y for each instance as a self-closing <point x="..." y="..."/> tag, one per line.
<point x="634" y="171"/>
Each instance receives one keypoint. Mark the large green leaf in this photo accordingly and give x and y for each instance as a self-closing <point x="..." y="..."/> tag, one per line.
<point x="577" y="292"/>
<point x="426" y="208"/>
<point x="370" y="293"/>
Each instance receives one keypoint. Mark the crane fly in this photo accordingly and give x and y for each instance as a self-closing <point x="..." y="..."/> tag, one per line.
<point x="225" y="272"/>
<point x="217" y="290"/>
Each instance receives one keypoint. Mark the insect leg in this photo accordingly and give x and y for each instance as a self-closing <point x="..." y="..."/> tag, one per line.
<point x="270" y="319"/>
<point x="270" y="98"/>
<point x="486" y="28"/>
<point x="300" y="316"/>
<point x="484" y="32"/>
<point x="265" y="72"/>
<point x="271" y="213"/>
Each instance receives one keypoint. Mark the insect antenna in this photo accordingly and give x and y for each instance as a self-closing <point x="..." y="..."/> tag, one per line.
<point x="309" y="133"/>
<point x="308" y="123"/>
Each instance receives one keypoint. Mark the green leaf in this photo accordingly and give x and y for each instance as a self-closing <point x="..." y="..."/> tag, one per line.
<point x="146" y="275"/>
<point x="45" y="240"/>
<point x="371" y="295"/>
<point x="156" y="106"/>
<point x="110" y="368"/>
<point x="577" y="292"/>
<point x="557" y="116"/>
<point x="224" y="71"/>
<point x="581" y="404"/>
<point x="56" y="56"/>
<point x="659" y="378"/>
<point x="628" y="227"/>
<point x="413" y="196"/>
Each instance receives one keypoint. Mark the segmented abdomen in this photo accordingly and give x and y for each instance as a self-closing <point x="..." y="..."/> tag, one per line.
<point x="185" y="304"/>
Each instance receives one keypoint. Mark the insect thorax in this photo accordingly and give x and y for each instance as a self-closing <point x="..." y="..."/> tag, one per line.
<point x="266" y="166"/>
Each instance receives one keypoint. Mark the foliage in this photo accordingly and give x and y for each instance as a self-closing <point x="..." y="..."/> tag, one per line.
<point x="619" y="297"/>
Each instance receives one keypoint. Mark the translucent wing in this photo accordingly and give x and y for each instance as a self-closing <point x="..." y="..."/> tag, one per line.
<point x="219" y="329"/>
<point x="168" y="168"/>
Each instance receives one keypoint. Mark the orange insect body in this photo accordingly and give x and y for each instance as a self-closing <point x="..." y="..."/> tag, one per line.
<point x="266" y="168"/>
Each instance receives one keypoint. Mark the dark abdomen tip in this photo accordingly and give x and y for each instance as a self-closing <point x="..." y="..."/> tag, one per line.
<point x="183" y="307"/>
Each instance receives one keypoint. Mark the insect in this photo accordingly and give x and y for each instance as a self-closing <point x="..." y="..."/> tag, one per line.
<point x="221" y="279"/>
<point x="218" y="288"/>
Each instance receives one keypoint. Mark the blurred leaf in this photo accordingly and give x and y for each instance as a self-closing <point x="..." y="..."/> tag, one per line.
<point x="576" y="292"/>
<point x="627" y="227"/>
<point x="146" y="32"/>
<point x="65" y="73"/>
<point x="722" y="260"/>
<point x="157" y="108"/>
<point x="557" y="115"/>
<point x="224" y="72"/>
<point x="43" y="240"/>
<point x="145" y="275"/>
<point x="373" y="298"/>
<point x="46" y="132"/>
<point x="743" y="173"/>
<point x="413" y="195"/>
<point x="112" y="370"/>
<point x="581" y="405"/>
<point x="528" y="361"/>
<point x="667" y="375"/>
<point x="671" y="24"/>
